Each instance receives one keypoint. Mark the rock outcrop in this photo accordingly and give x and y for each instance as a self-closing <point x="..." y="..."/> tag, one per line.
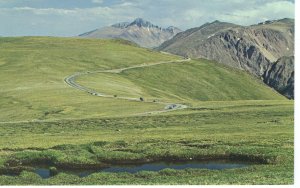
<point x="280" y="76"/>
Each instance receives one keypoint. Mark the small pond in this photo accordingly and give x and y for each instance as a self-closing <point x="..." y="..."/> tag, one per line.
<point x="44" y="172"/>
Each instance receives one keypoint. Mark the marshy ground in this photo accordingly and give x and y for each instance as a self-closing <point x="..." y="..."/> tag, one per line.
<point x="261" y="133"/>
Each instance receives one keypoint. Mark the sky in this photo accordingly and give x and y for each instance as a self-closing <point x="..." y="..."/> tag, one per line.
<point x="73" y="17"/>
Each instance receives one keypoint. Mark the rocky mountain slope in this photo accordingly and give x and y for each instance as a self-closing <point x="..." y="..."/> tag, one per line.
<point x="139" y="31"/>
<point x="252" y="48"/>
<point x="280" y="75"/>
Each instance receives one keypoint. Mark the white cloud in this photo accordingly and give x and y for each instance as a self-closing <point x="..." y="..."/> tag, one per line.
<point x="184" y="14"/>
<point x="192" y="15"/>
<point x="45" y="11"/>
<point x="270" y="10"/>
<point x="98" y="1"/>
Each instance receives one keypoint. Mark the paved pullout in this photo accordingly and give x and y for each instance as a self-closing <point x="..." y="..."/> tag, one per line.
<point x="71" y="81"/>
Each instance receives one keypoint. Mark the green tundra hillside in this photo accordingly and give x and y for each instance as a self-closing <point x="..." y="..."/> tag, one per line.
<point x="33" y="71"/>
<point x="196" y="80"/>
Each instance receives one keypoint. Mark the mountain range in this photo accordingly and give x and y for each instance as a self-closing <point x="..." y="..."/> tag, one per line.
<point x="140" y="31"/>
<point x="265" y="50"/>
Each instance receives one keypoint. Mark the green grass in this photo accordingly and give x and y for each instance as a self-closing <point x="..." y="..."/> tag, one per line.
<point x="200" y="80"/>
<point x="261" y="131"/>
<point x="32" y="70"/>
<point x="112" y="84"/>
<point x="231" y="114"/>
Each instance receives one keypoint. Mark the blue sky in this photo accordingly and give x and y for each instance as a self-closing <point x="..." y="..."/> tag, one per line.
<point x="73" y="17"/>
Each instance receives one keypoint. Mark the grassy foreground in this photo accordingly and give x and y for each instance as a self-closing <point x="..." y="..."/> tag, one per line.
<point x="231" y="115"/>
<point x="260" y="131"/>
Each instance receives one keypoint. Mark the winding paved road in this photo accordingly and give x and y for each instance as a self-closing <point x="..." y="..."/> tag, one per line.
<point x="71" y="81"/>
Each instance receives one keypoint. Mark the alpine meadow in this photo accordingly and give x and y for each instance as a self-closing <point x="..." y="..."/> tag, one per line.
<point x="139" y="104"/>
